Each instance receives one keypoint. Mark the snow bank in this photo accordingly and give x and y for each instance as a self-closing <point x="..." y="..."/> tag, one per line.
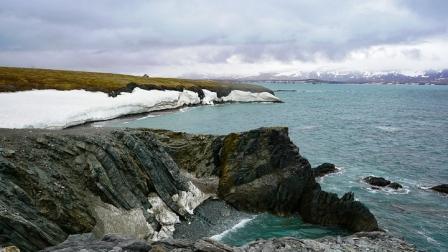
<point x="245" y="96"/>
<point x="60" y="109"/>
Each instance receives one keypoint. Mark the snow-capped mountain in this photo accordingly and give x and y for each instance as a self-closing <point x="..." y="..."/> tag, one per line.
<point x="430" y="77"/>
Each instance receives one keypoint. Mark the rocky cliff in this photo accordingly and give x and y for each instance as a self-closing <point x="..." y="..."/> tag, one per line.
<point x="141" y="182"/>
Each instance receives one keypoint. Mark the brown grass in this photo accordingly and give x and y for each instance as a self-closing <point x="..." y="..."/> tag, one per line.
<point x="20" y="79"/>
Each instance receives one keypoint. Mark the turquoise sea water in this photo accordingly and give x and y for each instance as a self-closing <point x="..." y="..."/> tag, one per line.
<point x="396" y="131"/>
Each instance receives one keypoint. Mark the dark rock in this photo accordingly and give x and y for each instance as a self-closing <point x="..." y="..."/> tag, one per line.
<point x="108" y="243"/>
<point x="211" y="217"/>
<point x="395" y="185"/>
<point x="443" y="188"/>
<point x="363" y="241"/>
<point x="262" y="170"/>
<point x="79" y="180"/>
<point x="324" y="169"/>
<point x="381" y="182"/>
<point x="54" y="186"/>
<point x="376" y="181"/>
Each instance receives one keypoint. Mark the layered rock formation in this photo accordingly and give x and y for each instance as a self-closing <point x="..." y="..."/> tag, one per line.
<point x="141" y="182"/>
<point x="370" y="241"/>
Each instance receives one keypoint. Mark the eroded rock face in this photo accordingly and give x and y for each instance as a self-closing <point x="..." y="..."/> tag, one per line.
<point x="56" y="183"/>
<point x="262" y="170"/>
<point x="66" y="182"/>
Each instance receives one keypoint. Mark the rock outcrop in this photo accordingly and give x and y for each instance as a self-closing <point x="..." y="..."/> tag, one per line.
<point x="370" y="241"/>
<point x="443" y="188"/>
<point x="262" y="170"/>
<point x="324" y="169"/>
<point x="141" y="182"/>
<point x="381" y="182"/>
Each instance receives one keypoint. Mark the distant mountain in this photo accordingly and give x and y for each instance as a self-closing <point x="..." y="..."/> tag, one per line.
<point x="427" y="77"/>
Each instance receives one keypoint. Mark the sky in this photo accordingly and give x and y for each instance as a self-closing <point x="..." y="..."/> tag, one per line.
<point x="230" y="38"/>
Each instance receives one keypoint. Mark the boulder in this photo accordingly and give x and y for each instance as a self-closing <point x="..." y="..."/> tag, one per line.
<point x="324" y="169"/>
<point x="376" y="181"/>
<point x="381" y="182"/>
<point x="443" y="188"/>
<point x="395" y="185"/>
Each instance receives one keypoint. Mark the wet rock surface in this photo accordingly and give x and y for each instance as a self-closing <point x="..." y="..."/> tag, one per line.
<point x="324" y="169"/>
<point x="443" y="188"/>
<point x="381" y="182"/>
<point x="213" y="217"/>
<point x="141" y="183"/>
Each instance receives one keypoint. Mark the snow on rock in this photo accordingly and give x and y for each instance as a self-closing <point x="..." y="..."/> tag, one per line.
<point x="188" y="97"/>
<point x="245" y="96"/>
<point x="189" y="200"/>
<point x="209" y="97"/>
<point x="59" y="109"/>
<point x="164" y="215"/>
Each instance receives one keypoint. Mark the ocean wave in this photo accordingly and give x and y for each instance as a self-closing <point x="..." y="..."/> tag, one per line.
<point x="340" y="171"/>
<point x="239" y="225"/>
<point x="144" y="117"/>
<point x="388" y="128"/>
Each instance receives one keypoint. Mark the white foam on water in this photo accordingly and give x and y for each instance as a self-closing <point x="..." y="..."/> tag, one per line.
<point x="388" y="128"/>
<point x="239" y="225"/>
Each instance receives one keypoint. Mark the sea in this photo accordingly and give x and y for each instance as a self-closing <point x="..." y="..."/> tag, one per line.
<point x="399" y="132"/>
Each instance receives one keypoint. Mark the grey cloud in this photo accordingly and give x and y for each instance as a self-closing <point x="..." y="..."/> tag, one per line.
<point x="145" y="33"/>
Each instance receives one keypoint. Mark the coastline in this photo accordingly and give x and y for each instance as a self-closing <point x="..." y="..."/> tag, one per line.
<point x="62" y="109"/>
<point x="115" y="203"/>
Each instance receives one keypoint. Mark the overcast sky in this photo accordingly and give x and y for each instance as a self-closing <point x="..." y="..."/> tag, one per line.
<point x="175" y="38"/>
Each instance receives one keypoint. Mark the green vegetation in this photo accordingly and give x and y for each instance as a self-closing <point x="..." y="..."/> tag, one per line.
<point x="20" y="79"/>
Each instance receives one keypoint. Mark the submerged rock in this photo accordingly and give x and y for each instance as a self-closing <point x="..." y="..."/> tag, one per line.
<point x="140" y="183"/>
<point x="382" y="182"/>
<point x="324" y="169"/>
<point x="443" y="188"/>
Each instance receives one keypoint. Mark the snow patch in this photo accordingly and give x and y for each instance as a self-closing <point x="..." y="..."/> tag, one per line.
<point x="60" y="109"/>
<point x="189" y="200"/>
<point x="245" y="96"/>
<point x="209" y="97"/>
<point x="164" y="216"/>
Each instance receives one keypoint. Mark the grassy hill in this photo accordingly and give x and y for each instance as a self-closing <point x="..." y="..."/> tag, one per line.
<point x="20" y="79"/>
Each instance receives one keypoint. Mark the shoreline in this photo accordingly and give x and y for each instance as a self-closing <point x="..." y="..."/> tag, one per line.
<point x="55" y="109"/>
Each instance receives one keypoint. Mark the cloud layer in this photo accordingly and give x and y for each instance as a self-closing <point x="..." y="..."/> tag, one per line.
<point x="224" y="37"/>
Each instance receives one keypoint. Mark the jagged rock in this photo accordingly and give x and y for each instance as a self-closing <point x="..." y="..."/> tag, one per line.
<point x="363" y="241"/>
<point x="443" y="188"/>
<point x="111" y="242"/>
<point x="76" y="181"/>
<point x="262" y="170"/>
<point x="324" y="169"/>
<point x="73" y="181"/>
<point x="382" y="182"/>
